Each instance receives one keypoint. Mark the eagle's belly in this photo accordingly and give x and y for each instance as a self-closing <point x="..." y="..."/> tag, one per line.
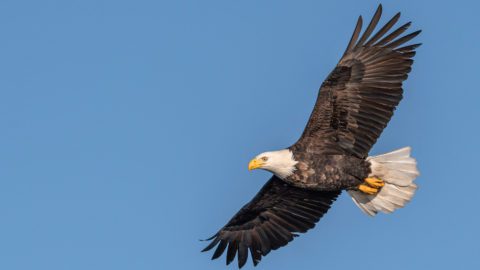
<point x="334" y="172"/>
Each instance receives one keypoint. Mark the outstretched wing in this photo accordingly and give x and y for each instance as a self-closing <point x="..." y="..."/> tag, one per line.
<point x="357" y="100"/>
<point x="270" y="220"/>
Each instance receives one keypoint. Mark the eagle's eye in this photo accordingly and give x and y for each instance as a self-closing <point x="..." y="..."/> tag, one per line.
<point x="264" y="158"/>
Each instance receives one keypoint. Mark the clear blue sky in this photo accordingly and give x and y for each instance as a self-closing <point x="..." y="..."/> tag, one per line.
<point x="127" y="126"/>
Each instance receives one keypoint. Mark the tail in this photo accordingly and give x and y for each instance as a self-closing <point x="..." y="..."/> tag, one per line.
<point x="398" y="170"/>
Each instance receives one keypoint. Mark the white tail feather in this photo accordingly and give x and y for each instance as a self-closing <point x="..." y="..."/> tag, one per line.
<point x="398" y="170"/>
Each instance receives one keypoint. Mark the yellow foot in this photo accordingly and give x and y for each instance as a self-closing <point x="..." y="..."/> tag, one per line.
<point x="371" y="185"/>
<point x="374" y="182"/>
<point x="366" y="189"/>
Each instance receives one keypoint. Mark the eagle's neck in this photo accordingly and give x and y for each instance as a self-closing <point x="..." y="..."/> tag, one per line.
<point x="281" y="163"/>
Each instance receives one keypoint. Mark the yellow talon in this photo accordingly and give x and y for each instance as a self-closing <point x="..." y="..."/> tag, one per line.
<point x="366" y="189"/>
<point x="374" y="182"/>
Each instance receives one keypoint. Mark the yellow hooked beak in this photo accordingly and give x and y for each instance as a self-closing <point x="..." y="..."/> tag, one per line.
<point x="255" y="164"/>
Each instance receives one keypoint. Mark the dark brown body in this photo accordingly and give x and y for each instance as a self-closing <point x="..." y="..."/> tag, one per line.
<point x="327" y="172"/>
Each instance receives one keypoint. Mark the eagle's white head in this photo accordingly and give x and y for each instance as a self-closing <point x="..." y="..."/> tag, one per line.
<point x="281" y="162"/>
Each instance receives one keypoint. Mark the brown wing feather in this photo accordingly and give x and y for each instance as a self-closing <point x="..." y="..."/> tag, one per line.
<point x="270" y="220"/>
<point x="357" y="100"/>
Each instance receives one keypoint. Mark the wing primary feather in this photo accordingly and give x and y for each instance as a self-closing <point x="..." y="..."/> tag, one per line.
<point x="231" y="251"/>
<point x="371" y="26"/>
<point x="242" y="254"/>
<point x="355" y="34"/>
<point x="384" y="29"/>
<point x="404" y="39"/>
<point x="256" y="256"/>
<point x="394" y="34"/>
<point x="255" y="248"/>
<point x="210" y="238"/>
<point x="410" y="54"/>
<point x="220" y="249"/>
<point x="211" y="245"/>
<point x="409" y="47"/>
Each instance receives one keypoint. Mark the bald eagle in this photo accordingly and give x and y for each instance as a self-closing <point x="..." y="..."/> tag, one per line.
<point x="353" y="106"/>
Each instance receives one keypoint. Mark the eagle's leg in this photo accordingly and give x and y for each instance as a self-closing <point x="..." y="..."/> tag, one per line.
<point x="371" y="185"/>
